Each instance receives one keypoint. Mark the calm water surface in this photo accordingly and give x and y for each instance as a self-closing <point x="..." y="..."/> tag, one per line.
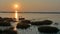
<point x="34" y="17"/>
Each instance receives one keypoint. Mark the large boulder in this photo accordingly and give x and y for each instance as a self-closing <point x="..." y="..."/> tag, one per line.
<point x="45" y="22"/>
<point x="48" y="29"/>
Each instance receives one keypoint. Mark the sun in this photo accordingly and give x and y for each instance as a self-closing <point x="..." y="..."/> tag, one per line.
<point x="16" y="6"/>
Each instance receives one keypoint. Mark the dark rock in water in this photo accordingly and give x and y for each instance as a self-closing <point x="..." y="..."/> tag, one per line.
<point x="45" y="22"/>
<point x="10" y="31"/>
<point x="21" y="18"/>
<point x="5" y="24"/>
<point x="56" y="24"/>
<point x="48" y="29"/>
<point x="1" y="31"/>
<point x="23" y="26"/>
<point x="26" y="21"/>
<point x="36" y="23"/>
<point x="5" y="21"/>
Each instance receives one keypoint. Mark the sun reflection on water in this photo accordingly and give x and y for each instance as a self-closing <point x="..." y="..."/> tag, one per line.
<point x="17" y="20"/>
<point x="16" y="15"/>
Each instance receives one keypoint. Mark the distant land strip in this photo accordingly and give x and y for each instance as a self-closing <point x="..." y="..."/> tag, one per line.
<point x="35" y="12"/>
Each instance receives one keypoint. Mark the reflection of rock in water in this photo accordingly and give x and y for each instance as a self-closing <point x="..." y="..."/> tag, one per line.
<point x="17" y="20"/>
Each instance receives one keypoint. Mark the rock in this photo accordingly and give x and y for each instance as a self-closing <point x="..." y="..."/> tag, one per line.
<point x="1" y="31"/>
<point x="10" y="31"/>
<point x="4" y="23"/>
<point x="48" y="29"/>
<point x="56" y="24"/>
<point x="45" y="22"/>
<point x="21" y="18"/>
<point x="26" y="21"/>
<point x="22" y="26"/>
<point x="36" y="23"/>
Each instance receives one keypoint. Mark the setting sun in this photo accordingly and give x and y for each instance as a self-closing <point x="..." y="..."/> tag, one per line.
<point x="16" y="6"/>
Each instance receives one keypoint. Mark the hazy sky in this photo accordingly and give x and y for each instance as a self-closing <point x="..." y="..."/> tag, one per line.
<point x="30" y="5"/>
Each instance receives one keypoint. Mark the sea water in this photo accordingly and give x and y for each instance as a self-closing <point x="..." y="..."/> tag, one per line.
<point x="34" y="17"/>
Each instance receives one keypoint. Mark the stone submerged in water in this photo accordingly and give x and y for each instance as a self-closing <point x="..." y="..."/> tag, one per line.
<point x="45" y="22"/>
<point x="48" y="29"/>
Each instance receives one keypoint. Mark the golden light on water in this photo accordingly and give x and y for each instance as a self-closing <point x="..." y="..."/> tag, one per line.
<point x="16" y="15"/>
<point x="15" y="29"/>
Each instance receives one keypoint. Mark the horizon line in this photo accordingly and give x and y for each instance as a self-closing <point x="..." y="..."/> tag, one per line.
<point x="35" y="12"/>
